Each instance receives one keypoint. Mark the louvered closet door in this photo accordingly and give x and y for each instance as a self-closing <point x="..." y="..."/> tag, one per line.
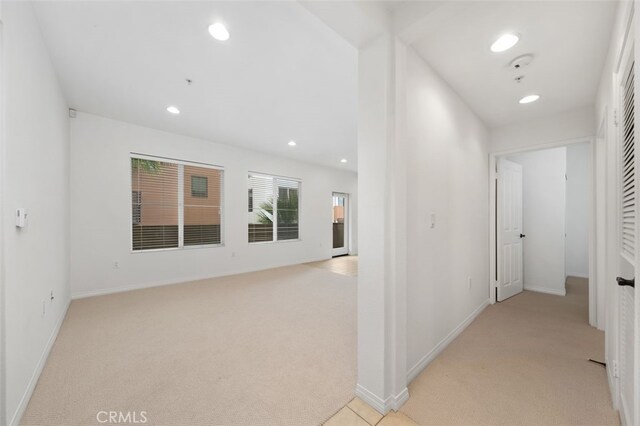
<point x="628" y="243"/>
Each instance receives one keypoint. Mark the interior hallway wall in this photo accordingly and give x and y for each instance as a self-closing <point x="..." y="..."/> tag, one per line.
<point x="447" y="176"/>
<point x="543" y="219"/>
<point x="101" y="209"/>
<point x="573" y="124"/>
<point x="36" y="176"/>
<point x="577" y="214"/>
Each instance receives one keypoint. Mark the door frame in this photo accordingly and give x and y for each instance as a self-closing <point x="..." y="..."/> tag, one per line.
<point x="347" y="223"/>
<point x="493" y="157"/>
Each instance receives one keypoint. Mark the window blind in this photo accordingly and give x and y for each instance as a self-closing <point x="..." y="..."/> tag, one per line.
<point x="628" y="167"/>
<point x="174" y="204"/>
<point x="273" y="208"/>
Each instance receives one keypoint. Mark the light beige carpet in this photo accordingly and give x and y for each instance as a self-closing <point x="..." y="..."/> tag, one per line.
<point x="276" y="347"/>
<point x="345" y="265"/>
<point x="521" y="362"/>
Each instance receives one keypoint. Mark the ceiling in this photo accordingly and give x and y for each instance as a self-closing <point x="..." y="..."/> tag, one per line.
<point x="568" y="40"/>
<point x="283" y="74"/>
<point x="287" y="73"/>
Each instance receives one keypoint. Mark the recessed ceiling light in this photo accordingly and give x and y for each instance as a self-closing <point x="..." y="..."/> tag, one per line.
<point x="219" y="31"/>
<point x="292" y="143"/>
<point x="173" y="110"/>
<point x="529" y="98"/>
<point x="344" y="160"/>
<point x="505" y="42"/>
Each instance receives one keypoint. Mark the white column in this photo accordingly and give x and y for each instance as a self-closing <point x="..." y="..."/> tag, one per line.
<point x="382" y="312"/>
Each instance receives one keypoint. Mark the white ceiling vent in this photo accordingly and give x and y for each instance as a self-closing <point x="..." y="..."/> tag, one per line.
<point x="521" y="62"/>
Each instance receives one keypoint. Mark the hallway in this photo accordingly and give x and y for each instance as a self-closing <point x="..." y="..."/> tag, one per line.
<point x="523" y="361"/>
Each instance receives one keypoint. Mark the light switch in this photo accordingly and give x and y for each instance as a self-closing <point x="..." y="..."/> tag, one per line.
<point x="21" y="218"/>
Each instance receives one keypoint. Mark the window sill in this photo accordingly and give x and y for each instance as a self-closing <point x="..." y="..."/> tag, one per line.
<point x="199" y="247"/>
<point x="298" y="240"/>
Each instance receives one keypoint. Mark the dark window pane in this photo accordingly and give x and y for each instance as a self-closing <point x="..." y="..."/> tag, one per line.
<point x="199" y="186"/>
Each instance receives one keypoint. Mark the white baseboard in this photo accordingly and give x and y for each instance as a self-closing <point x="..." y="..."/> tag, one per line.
<point x="625" y="417"/>
<point x="393" y="402"/>
<point x="121" y="289"/>
<point x="426" y="360"/>
<point x="546" y="290"/>
<point x="24" y="401"/>
<point x="578" y="275"/>
<point x="613" y="386"/>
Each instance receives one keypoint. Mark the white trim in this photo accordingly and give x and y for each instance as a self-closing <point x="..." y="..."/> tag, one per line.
<point x="3" y="371"/>
<point x="346" y="249"/>
<point x="426" y="360"/>
<point x="393" y="402"/>
<point x="175" y="281"/>
<point x="546" y="290"/>
<point x="624" y="414"/>
<point x="493" y="156"/>
<point x="612" y="380"/>
<point x="174" y="161"/>
<point x="539" y="147"/>
<point x="24" y="401"/>
<point x="579" y="275"/>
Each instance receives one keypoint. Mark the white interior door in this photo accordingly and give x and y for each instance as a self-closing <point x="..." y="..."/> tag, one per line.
<point x="340" y="224"/>
<point x="628" y="243"/>
<point x="509" y="229"/>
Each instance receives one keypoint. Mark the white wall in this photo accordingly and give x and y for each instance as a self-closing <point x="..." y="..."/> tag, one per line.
<point x="35" y="172"/>
<point x="543" y="219"/>
<point x="573" y="124"/>
<point x="101" y="197"/>
<point x="577" y="212"/>
<point x="447" y="175"/>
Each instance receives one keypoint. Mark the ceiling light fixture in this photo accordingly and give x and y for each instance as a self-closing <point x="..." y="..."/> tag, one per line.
<point x="505" y="42"/>
<point x="529" y="98"/>
<point x="344" y="160"/>
<point x="292" y="143"/>
<point x="173" y="110"/>
<point x="219" y="31"/>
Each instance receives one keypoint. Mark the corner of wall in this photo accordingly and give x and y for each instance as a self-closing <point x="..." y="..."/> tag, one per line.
<point x="26" y="396"/>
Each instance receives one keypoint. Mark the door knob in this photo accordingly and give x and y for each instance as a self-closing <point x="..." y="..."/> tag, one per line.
<point x="522" y="235"/>
<point x="625" y="282"/>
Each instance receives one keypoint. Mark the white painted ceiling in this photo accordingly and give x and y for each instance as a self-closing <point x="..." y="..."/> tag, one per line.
<point x="568" y="39"/>
<point x="282" y="75"/>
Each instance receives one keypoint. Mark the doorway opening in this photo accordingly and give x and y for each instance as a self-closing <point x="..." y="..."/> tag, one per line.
<point x="340" y="224"/>
<point x="543" y="222"/>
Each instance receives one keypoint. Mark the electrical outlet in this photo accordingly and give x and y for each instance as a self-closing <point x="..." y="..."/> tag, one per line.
<point x="116" y="265"/>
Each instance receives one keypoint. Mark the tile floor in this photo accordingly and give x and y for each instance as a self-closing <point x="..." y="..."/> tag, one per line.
<point x="359" y="413"/>
<point x="345" y="265"/>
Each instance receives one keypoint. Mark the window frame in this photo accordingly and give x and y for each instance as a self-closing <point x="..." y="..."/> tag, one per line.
<point x="181" y="193"/>
<point x="275" y="208"/>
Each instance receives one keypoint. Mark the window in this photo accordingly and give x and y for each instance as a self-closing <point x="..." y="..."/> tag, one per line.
<point x="199" y="186"/>
<point x="136" y="206"/>
<point x="273" y="208"/>
<point x="164" y="214"/>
